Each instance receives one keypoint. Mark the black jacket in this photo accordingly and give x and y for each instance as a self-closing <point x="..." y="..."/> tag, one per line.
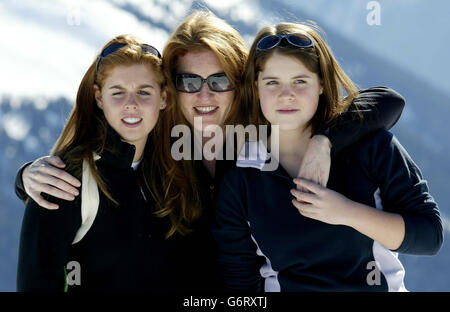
<point x="265" y="243"/>
<point x="124" y="250"/>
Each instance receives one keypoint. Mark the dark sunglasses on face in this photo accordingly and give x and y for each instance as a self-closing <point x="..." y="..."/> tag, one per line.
<point x="272" y="41"/>
<point x="146" y="49"/>
<point x="192" y="83"/>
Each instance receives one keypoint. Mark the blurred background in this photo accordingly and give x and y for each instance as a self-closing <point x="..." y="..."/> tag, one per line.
<point x="47" y="46"/>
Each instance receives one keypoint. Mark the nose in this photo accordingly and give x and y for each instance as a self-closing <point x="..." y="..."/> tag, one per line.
<point x="205" y="91"/>
<point x="131" y="102"/>
<point x="287" y="93"/>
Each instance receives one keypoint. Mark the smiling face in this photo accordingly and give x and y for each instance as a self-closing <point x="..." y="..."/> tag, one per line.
<point x="131" y="99"/>
<point x="212" y="106"/>
<point x="288" y="92"/>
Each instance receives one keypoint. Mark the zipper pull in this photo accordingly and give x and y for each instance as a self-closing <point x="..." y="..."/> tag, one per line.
<point x="142" y="191"/>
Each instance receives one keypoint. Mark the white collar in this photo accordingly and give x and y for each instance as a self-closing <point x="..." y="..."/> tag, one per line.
<point x="253" y="154"/>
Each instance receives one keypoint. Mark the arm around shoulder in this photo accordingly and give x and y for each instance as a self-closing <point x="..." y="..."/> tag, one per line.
<point x="373" y="108"/>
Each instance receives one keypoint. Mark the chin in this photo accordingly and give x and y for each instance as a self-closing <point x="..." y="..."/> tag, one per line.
<point x="211" y="123"/>
<point x="294" y="127"/>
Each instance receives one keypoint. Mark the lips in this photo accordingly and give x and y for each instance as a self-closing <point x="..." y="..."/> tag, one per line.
<point x="205" y="110"/>
<point x="131" y="122"/>
<point x="287" y="111"/>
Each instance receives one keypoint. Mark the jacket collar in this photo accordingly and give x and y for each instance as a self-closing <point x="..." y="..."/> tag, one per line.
<point x="117" y="153"/>
<point x="253" y="154"/>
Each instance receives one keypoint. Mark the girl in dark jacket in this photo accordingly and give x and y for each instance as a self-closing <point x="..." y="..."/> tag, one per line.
<point x="107" y="238"/>
<point x="277" y="232"/>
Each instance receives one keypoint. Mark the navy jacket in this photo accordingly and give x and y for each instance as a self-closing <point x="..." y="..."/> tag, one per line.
<point x="124" y="250"/>
<point x="265" y="243"/>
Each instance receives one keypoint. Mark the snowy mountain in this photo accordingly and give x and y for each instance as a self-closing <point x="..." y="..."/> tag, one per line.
<point x="52" y="43"/>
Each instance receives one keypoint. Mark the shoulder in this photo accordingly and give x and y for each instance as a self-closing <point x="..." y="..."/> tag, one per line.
<point x="68" y="214"/>
<point x="375" y="93"/>
<point x="381" y="144"/>
<point x="374" y="142"/>
<point x="373" y="151"/>
<point x="382" y="154"/>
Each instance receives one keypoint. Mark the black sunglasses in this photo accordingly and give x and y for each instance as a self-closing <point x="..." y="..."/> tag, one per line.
<point x="296" y="40"/>
<point x="146" y="49"/>
<point x="192" y="83"/>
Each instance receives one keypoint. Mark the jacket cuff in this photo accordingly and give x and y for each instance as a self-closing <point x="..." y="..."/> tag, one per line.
<point x="420" y="238"/>
<point x="18" y="184"/>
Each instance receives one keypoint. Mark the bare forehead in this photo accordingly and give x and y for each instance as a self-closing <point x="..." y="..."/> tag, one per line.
<point x="132" y="75"/>
<point x="284" y="64"/>
<point x="202" y="62"/>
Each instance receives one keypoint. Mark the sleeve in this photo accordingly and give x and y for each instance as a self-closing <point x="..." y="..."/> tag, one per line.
<point x="236" y="252"/>
<point x="45" y="239"/>
<point x="403" y="190"/>
<point x="380" y="107"/>
<point x="18" y="184"/>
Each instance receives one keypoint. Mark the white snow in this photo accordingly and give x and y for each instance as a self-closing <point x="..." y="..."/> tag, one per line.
<point x="15" y="126"/>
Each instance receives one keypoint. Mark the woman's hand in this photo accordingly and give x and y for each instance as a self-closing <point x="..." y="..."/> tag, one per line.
<point x="43" y="176"/>
<point x="321" y="203"/>
<point x="317" y="161"/>
<point x="328" y="206"/>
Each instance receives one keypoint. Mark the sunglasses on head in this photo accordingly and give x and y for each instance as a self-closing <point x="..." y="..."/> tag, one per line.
<point x="272" y="41"/>
<point x="192" y="83"/>
<point x="146" y="49"/>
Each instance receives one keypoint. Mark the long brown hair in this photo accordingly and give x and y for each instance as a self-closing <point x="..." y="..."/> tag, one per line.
<point x="200" y="30"/>
<point x="85" y="130"/>
<point x="318" y="59"/>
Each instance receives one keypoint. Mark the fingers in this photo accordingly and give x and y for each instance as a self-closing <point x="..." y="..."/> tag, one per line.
<point x="302" y="189"/>
<point x="45" y="184"/>
<point x="43" y="177"/>
<point x="59" y="173"/>
<point x="55" y="182"/>
<point x="53" y="191"/>
<point x="42" y="202"/>
<point x="55" y="161"/>
<point x="306" y="210"/>
<point x="304" y="197"/>
<point x="310" y="186"/>
<point x="304" y="202"/>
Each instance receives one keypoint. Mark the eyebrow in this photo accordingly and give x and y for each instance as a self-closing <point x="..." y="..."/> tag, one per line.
<point x="140" y="87"/>
<point x="296" y="77"/>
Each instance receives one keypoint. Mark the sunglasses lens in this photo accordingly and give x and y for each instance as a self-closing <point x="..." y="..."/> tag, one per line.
<point x="192" y="83"/>
<point x="299" y="40"/>
<point x="268" y="42"/>
<point x="188" y="83"/>
<point x="146" y="48"/>
<point x="112" y="48"/>
<point x="219" y="83"/>
<point x="271" y="41"/>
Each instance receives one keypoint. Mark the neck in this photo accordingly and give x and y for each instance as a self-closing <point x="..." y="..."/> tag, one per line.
<point x="294" y="142"/>
<point x="215" y="144"/>
<point x="139" y="152"/>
